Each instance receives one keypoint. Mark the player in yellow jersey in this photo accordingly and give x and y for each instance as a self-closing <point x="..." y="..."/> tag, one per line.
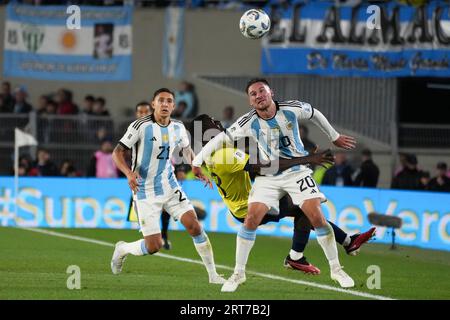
<point x="230" y="169"/>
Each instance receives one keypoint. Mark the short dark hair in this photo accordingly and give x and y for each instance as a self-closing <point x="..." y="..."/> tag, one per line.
<point x="256" y="80"/>
<point x="101" y="100"/>
<point x="143" y="103"/>
<point x="161" y="90"/>
<point x="89" y="97"/>
<point x="207" y="123"/>
<point x="442" y="166"/>
<point x="366" y="152"/>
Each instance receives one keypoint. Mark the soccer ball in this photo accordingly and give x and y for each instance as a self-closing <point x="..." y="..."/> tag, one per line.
<point x="254" y="23"/>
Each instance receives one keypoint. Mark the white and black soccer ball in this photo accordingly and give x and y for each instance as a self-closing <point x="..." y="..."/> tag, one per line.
<point x="254" y="23"/>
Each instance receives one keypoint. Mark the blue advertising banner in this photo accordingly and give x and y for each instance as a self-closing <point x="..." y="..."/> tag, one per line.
<point x="383" y="40"/>
<point x="103" y="203"/>
<point x="87" y="44"/>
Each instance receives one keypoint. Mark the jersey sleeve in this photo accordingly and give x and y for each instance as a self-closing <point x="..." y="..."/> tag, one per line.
<point x="130" y="138"/>
<point x="240" y="129"/>
<point x="184" y="143"/>
<point x="302" y="110"/>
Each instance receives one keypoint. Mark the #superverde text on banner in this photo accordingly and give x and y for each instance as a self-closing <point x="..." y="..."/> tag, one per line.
<point x="38" y="43"/>
<point x="104" y="203"/>
<point x="386" y="40"/>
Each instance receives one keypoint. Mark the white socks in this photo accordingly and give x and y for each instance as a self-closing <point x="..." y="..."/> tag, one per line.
<point x="295" y="255"/>
<point x="204" y="249"/>
<point x="325" y="237"/>
<point x="244" y="244"/>
<point x="136" y="248"/>
<point x="346" y="241"/>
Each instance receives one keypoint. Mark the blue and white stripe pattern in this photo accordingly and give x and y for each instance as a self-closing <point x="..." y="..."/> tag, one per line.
<point x="153" y="158"/>
<point x="412" y="53"/>
<point x="247" y="234"/>
<point x="173" y="46"/>
<point x="40" y="45"/>
<point x="278" y="137"/>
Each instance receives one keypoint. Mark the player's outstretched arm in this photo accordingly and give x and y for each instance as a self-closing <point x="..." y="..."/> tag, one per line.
<point x="213" y="145"/>
<point x="317" y="158"/>
<point x="119" y="159"/>
<point x="339" y="140"/>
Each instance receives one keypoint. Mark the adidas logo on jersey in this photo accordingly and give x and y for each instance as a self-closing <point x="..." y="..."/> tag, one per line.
<point x="313" y="191"/>
<point x="153" y="139"/>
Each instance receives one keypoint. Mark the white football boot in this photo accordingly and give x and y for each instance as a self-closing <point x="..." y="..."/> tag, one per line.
<point x="216" y="278"/>
<point x="233" y="282"/>
<point x="118" y="258"/>
<point x="339" y="275"/>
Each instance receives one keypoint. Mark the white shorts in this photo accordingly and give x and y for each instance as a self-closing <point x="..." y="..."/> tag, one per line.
<point x="298" y="184"/>
<point x="149" y="210"/>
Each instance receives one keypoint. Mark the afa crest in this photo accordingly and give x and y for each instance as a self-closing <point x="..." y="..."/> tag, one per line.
<point x="289" y="126"/>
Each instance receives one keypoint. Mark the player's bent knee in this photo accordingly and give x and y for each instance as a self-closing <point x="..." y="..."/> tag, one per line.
<point x="190" y="222"/>
<point x="251" y="223"/>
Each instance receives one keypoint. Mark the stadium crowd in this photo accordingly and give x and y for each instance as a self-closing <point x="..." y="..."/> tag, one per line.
<point x="407" y="176"/>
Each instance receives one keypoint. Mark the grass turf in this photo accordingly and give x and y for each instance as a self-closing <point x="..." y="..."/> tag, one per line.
<point x="33" y="266"/>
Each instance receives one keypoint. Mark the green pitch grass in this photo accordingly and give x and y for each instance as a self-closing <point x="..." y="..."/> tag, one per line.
<point x="33" y="266"/>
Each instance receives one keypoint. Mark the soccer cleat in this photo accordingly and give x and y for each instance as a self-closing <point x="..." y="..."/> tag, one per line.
<point x="357" y="240"/>
<point x="339" y="275"/>
<point x="216" y="279"/>
<point x="301" y="264"/>
<point x="117" y="259"/>
<point x="233" y="282"/>
<point x="167" y="244"/>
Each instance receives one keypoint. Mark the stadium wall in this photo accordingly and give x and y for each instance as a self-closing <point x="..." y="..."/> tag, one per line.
<point x="103" y="203"/>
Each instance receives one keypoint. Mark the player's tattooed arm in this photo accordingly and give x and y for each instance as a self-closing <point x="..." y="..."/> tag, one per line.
<point x="322" y="158"/>
<point x="119" y="159"/>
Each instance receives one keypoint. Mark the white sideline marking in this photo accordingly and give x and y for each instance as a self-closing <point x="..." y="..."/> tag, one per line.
<point x="264" y="275"/>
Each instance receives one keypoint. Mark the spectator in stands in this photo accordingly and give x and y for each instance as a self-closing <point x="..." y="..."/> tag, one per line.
<point x="103" y="134"/>
<point x="7" y="100"/>
<point x="25" y="164"/>
<point x="68" y="169"/>
<point x="309" y="145"/>
<point x="51" y="108"/>
<point x="340" y="174"/>
<point x="99" y="107"/>
<point x="228" y="116"/>
<point x="189" y="96"/>
<point x="367" y="175"/>
<point x="3" y="107"/>
<point x="88" y="105"/>
<point x="20" y="102"/>
<point x="102" y="164"/>
<point x="65" y="104"/>
<point x="402" y="159"/>
<point x="180" y="109"/>
<point x="44" y="166"/>
<point x="441" y="182"/>
<point x="410" y="177"/>
<point x="41" y="107"/>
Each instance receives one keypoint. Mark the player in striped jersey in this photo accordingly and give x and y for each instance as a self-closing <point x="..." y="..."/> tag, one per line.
<point x="153" y="182"/>
<point x="144" y="109"/>
<point x="274" y="125"/>
<point x="230" y="168"/>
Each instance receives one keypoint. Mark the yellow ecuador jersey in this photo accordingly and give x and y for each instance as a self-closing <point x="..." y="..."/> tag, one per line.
<point x="226" y="167"/>
<point x="132" y="216"/>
